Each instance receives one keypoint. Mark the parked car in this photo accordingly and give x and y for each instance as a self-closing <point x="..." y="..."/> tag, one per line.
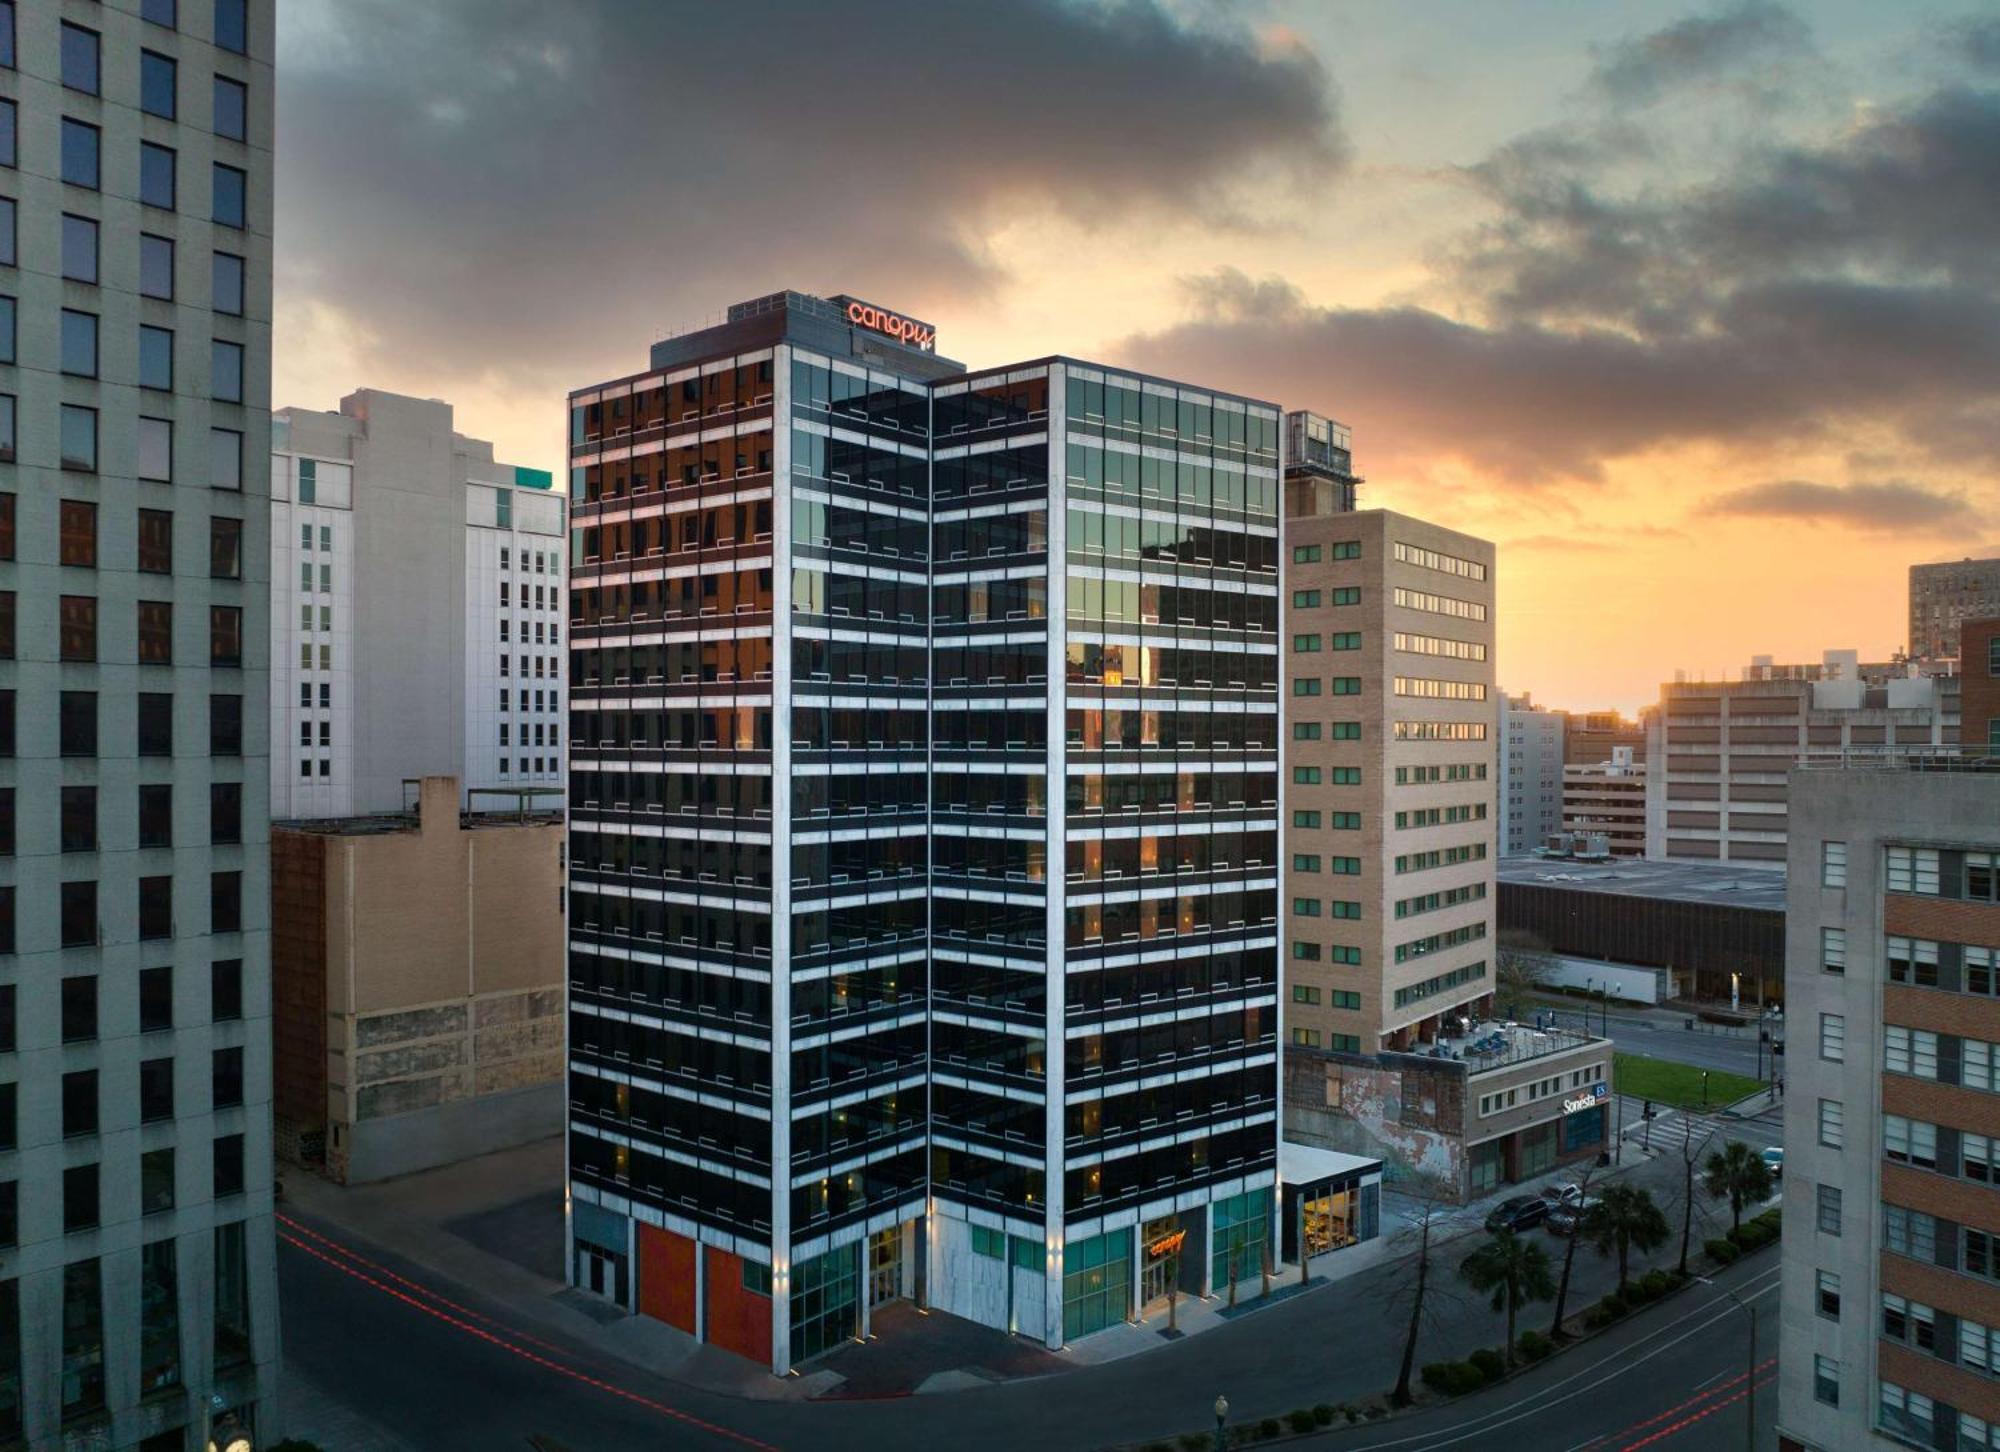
<point x="1519" y="1213"/>
<point x="1561" y="1195"/>
<point x="1566" y="1218"/>
<point x="1774" y="1160"/>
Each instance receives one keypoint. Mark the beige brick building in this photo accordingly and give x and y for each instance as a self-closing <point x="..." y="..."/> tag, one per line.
<point x="417" y="985"/>
<point x="1390" y="778"/>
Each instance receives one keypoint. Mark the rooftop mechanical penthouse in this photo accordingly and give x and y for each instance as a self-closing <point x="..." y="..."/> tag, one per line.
<point x="924" y="849"/>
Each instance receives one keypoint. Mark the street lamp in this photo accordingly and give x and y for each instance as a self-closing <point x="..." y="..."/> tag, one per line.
<point x="1704" y="1088"/>
<point x="1750" y="1380"/>
<point x="1221" y="1437"/>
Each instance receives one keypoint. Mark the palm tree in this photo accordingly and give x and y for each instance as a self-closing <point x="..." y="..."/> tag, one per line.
<point x="1736" y="1172"/>
<point x="1516" y="1271"/>
<point x="1623" y="1217"/>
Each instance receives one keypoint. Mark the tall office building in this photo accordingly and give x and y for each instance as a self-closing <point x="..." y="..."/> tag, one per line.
<point x="135" y="271"/>
<point x="1591" y="737"/>
<point x="1890" y="1314"/>
<point x="924" y="793"/>
<point x="1718" y="752"/>
<point x="416" y="610"/>
<point x="1943" y="597"/>
<point x="1531" y="767"/>
<point x="1389" y="884"/>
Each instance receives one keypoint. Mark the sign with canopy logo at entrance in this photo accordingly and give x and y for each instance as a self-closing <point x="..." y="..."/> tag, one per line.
<point x="1589" y="1099"/>
<point x="894" y="325"/>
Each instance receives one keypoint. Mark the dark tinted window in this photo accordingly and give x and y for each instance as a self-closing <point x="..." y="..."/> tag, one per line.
<point x="79" y="153"/>
<point x="227" y="1077"/>
<point x="156" y="541"/>
<point x="228" y="1165"/>
<point x="156" y="83"/>
<point x="225" y="989"/>
<point x="156" y="175"/>
<point x="79" y="1009"/>
<point x="156" y="999"/>
<point x="77" y="723"/>
<point x="156" y="1183"/>
<point x="225" y="548"/>
<point x="156" y="907"/>
<point x="225" y="812"/>
<point x="156" y="723"/>
<point x="156" y="814"/>
<point x="79" y="1102"/>
<point x="232" y="109"/>
<point x="79" y="1197"/>
<point x="156" y="1090"/>
<point x="225" y="902"/>
<point x="79" y="914"/>
<point x="79" y="819"/>
<point x="232" y="25"/>
<point x="225" y="725"/>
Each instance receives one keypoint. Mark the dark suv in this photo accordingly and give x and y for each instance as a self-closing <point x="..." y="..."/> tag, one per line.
<point x="1519" y="1213"/>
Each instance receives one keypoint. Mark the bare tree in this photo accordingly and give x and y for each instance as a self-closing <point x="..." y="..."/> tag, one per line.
<point x="1569" y="1252"/>
<point x="1416" y="1283"/>
<point x="1521" y="964"/>
<point x="1690" y="1151"/>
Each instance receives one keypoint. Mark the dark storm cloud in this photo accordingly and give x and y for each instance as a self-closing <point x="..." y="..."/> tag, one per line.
<point x="1794" y="294"/>
<point x="1699" y="48"/>
<point x="471" y="174"/>
<point x="1892" y="505"/>
<point x="1541" y="403"/>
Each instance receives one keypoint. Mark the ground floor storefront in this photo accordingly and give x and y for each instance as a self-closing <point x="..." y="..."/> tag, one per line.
<point x="1533" y="1150"/>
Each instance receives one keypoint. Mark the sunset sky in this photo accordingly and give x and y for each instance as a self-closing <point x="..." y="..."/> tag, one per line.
<point x="1696" y="311"/>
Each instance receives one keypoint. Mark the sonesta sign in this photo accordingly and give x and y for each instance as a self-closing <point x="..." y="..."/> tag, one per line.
<point x="1597" y="1094"/>
<point x="895" y="325"/>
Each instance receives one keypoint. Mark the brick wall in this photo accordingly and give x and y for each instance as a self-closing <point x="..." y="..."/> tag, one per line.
<point x="298" y="991"/>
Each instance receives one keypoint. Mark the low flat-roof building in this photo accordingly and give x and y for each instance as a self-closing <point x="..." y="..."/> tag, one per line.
<point x="417" y="994"/>
<point x="1715" y="930"/>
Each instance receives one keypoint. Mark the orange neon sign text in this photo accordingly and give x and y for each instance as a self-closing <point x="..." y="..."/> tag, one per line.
<point x="907" y="330"/>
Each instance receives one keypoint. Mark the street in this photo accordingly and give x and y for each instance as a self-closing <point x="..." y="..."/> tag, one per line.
<point x="435" y="1364"/>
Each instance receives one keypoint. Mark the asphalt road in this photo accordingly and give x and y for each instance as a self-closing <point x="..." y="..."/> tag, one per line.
<point x="1675" y="1381"/>
<point x="437" y="1365"/>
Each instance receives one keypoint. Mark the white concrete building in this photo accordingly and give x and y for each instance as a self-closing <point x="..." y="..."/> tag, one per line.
<point x="139" y="1291"/>
<point x="416" y="610"/>
<point x="1531" y="773"/>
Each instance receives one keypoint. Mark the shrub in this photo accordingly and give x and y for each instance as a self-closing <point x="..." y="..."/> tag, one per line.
<point x="1323" y="1415"/>
<point x="1533" y="1345"/>
<point x="1453" y="1378"/>
<point x="1655" y="1284"/>
<point x="1489" y="1363"/>
<point x="1605" y="1311"/>
<point x="1300" y="1420"/>
<point x="1268" y="1428"/>
<point x="1722" y="1252"/>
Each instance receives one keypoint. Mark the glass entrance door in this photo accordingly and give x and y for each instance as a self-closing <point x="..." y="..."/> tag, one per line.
<point x="885" y="1265"/>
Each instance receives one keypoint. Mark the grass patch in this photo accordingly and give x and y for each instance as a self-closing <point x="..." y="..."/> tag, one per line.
<point x="1665" y="1082"/>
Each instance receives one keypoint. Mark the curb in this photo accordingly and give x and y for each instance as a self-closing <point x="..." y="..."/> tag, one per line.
<point x="1427" y="1401"/>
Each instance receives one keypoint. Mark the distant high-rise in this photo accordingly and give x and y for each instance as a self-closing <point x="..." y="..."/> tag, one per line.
<point x="417" y="610"/>
<point x="1531" y="766"/>
<point x="1943" y="597"/>
<point x="1718" y="753"/>
<point x="135" y="1077"/>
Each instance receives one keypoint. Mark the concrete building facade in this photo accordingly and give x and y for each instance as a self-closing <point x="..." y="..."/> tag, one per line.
<point x="1943" y="597"/>
<point x="1531" y="765"/>
<point x="139" y="1301"/>
<point x="417" y="993"/>
<point x="1718" y="753"/>
<point x="1890" y="1310"/>
<point x="1608" y="799"/>
<point x="416" y="610"/>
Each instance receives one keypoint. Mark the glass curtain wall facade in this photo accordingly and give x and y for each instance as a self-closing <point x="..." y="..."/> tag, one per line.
<point x="863" y="649"/>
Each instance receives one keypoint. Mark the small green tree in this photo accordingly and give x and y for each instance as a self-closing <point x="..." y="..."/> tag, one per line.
<point x="1514" y="1271"/>
<point x="1623" y="1217"/>
<point x="1738" y="1174"/>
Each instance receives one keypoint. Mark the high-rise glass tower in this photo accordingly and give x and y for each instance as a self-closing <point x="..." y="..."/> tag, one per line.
<point x="924" y="793"/>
